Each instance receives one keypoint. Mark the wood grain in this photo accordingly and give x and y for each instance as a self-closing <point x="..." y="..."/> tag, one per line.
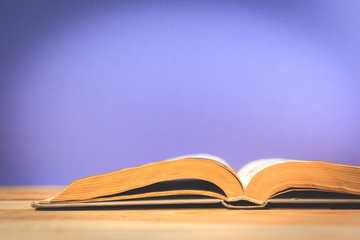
<point x="29" y="192"/>
<point x="18" y="220"/>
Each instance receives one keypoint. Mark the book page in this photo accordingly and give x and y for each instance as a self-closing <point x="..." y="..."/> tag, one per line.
<point x="204" y="156"/>
<point x="203" y="167"/>
<point x="247" y="172"/>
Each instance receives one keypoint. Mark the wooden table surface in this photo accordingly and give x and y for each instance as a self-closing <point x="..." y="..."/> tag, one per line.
<point x="19" y="221"/>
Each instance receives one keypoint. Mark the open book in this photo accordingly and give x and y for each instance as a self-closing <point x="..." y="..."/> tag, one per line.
<point x="207" y="179"/>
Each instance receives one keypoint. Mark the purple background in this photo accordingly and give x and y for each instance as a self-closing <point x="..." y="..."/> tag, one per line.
<point x="90" y="87"/>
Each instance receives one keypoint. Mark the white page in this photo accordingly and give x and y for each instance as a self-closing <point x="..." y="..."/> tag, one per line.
<point x="204" y="156"/>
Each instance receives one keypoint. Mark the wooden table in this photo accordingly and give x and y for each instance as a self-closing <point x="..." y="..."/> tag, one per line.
<point x="19" y="221"/>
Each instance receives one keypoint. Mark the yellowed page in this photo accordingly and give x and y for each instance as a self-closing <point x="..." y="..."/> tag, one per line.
<point x="200" y="166"/>
<point x="248" y="171"/>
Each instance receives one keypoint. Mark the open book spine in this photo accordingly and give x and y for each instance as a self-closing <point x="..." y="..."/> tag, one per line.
<point x="245" y="206"/>
<point x="138" y="203"/>
<point x="39" y="205"/>
<point x="233" y="205"/>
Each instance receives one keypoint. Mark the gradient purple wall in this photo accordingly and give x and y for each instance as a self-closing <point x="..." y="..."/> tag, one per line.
<point x="90" y="87"/>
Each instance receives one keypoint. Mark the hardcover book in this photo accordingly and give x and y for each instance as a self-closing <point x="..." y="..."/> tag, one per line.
<point x="207" y="179"/>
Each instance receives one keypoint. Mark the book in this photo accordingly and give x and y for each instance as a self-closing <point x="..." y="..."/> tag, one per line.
<point x="207" y="179"/>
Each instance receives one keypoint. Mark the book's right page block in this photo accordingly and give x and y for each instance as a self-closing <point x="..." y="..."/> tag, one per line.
<point x="247" y="172"/>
